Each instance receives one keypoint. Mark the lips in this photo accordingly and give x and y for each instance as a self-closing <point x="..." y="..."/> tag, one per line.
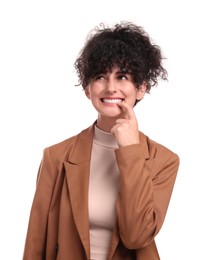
<point x="111" y="100"/>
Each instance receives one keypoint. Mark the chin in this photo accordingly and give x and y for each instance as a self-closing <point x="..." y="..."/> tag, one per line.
<point x="111" y="112"/>
<point x="111" y="115"/>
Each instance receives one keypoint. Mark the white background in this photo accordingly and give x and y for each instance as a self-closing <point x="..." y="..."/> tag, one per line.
<point x="40" y="106"/>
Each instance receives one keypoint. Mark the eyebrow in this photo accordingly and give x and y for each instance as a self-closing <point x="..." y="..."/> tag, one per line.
<point x="122" y="72"/>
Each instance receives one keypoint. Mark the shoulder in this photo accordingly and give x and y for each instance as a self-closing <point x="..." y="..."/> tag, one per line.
<point x="158" y="150"/>
<point x="61" y="150"/>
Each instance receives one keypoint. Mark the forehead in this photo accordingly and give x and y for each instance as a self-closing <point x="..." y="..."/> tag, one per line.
<point x="116" y="70"/>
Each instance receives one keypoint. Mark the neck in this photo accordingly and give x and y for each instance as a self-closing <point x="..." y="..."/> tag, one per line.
<point x="105" y="123"/>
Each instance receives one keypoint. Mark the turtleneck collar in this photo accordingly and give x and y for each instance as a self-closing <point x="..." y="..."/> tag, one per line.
<point x="104" y="138"/>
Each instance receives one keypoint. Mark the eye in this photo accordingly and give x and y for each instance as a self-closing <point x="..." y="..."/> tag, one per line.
<point x="122" y="77"/>
<point x="99" y="77"/>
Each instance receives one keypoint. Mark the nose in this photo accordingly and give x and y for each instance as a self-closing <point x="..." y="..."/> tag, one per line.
<point x="111" y="86"/>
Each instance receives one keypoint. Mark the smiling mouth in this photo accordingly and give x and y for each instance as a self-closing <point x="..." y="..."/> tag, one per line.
<point x="112" y="100"/>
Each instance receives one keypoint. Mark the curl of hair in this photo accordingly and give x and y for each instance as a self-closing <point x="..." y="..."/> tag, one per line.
<point x="126" y="46"/>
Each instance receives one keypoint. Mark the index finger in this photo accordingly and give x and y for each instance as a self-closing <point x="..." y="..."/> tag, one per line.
<point x="127" y="110"/>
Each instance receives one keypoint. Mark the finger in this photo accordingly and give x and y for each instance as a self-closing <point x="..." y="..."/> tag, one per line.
<point x="122" y="121"/>
<point x="118" y="129"/>
<point x="127" y="110"/>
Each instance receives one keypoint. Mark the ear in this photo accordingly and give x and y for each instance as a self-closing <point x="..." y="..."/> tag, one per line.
<point x="141" y="91"/>
<point x="87" y="92"/>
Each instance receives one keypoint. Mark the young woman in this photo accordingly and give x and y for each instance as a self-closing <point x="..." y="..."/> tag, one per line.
<point x="104" y="193"/>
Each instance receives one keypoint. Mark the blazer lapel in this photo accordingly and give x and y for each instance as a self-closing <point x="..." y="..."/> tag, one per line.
<point x="77" y="169"/>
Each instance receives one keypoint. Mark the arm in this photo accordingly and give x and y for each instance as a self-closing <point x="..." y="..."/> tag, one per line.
<point x="145" y="191"/>
<point x="36" y="234"/>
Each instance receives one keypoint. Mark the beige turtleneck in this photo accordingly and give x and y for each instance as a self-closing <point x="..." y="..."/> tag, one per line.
<point x="103" y="189"/>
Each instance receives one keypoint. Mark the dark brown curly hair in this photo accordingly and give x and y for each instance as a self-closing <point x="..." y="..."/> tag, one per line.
<point x="126" y="46"/>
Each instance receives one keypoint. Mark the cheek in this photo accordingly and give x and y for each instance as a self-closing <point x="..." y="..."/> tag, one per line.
<point x="131" y="98"/>
<point x="132" y="93"/>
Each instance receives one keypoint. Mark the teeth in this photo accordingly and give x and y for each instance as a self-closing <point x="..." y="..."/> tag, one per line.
<point x="112" y="101"/>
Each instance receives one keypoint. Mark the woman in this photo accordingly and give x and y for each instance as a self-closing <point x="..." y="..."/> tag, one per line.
<point x="103" y="194"/>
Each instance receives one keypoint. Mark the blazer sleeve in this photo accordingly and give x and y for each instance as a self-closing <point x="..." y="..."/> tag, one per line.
<point x="145" y="191"/>
<point x="37" y="227"/>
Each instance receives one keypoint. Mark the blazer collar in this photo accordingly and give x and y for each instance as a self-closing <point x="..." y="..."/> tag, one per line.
<point x="144" y="142"/>
<point x="82" y="149"/>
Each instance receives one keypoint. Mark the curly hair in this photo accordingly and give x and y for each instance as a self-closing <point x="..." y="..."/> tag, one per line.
<point x="126" y="46"/>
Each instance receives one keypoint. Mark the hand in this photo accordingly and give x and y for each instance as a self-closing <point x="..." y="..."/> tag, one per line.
<point x="126" y="128"/>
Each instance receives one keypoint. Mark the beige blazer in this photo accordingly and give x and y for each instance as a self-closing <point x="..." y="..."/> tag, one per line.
<point x="59" y="222"/>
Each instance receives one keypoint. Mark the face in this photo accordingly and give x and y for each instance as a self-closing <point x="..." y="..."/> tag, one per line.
<point x="106" y="90"/>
